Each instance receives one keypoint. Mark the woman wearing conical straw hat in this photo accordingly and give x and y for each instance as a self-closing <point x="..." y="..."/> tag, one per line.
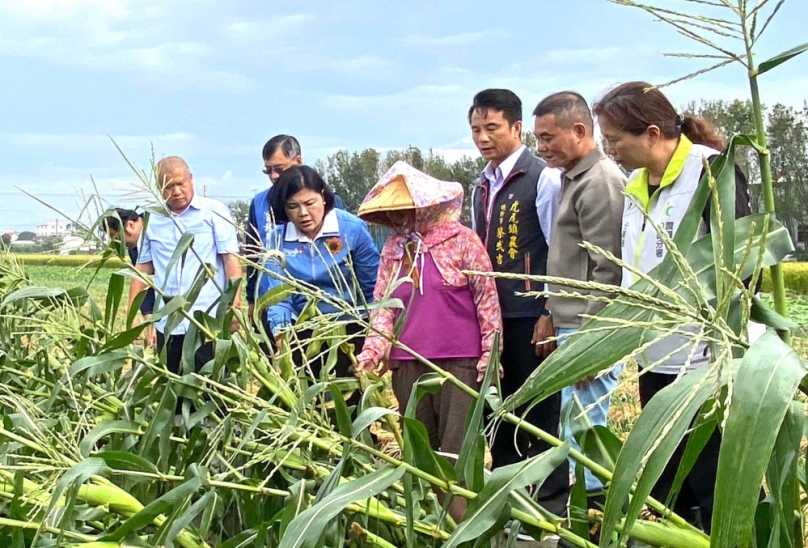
<point x="451" y="318"/>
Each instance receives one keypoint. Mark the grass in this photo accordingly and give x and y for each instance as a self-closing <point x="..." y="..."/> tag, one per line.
<point x="67" y="278"/>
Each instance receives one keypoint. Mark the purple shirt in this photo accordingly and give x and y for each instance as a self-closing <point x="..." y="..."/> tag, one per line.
<point x="442" y="323"/>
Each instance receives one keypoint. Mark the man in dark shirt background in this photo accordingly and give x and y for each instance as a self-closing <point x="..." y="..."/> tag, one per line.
<point x="132" y="227"/>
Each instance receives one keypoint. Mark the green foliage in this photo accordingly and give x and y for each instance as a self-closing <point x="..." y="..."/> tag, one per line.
<point x="795" y="276"/>
<point x="352" y="174"/>
<point x="270" y="465"/>
<point x="240" y="210"/>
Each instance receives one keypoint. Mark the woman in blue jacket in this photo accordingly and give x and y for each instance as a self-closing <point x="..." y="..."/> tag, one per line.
<point x="327" y="248"/>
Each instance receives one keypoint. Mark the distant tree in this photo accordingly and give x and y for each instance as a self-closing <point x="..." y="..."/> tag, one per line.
<point x="466" y="171"/>
<point x="351" y="174"/>
<point x="26" y="235"/>
<point x="788" y="143"/>
<point x="51" y="243"/>
<point x="734" y="118"/>
<point x="240" y="210"/>
<point x="529" y="140"/>
<point x="6" y="240"/>
<point x="412" y="155"/>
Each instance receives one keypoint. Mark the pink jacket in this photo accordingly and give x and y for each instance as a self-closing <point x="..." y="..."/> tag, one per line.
<point x="453" y="247"/>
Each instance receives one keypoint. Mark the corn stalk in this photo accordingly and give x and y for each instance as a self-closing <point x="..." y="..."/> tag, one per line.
<point x="729" y="30"/>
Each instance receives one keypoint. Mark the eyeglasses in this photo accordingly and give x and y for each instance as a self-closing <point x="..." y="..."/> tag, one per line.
<point x="269" y="170"/>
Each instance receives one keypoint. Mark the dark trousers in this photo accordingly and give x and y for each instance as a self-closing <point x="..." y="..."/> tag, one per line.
<point x="173" y="346"/>
<point x="698" y="489"/>
<point x="511" y="445"/>
<point x="356" y="337"/>
<point x="174" y="352"/>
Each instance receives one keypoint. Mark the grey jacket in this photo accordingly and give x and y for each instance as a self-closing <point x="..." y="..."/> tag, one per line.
<point x="590" y="209"/>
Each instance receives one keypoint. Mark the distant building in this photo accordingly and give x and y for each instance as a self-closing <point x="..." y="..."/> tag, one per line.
<point x="56" y="227"/>
<point x="12" y="236"/>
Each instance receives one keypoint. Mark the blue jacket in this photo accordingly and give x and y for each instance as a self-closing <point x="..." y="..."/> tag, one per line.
<point x="323" y="263"/>
<point x="258" y="224"/>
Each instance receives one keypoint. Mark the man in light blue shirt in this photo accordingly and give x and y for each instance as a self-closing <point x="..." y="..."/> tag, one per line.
<point x="215" y="243"/>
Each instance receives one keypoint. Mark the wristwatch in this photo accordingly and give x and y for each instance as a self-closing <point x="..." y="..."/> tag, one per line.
<point x="547" y="312"/>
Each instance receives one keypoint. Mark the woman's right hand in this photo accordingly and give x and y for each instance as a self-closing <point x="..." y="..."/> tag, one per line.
<point x="364" y="366"/>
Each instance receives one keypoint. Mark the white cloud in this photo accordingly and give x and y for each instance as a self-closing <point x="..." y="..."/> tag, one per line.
<point x="423" y="96"/>
<point x="580" y="55"/>
<point x="450" y="40"/>
<point x="269" y="28"/>
<point x="93" y="154"/>
<point x="121" y="36"/>
<point x="293" y="59"/>
<point x="73" y="142"/>
<point x="452" y="155"/>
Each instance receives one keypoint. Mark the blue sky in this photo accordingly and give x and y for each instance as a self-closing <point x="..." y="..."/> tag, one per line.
<point x="212" y="80"/>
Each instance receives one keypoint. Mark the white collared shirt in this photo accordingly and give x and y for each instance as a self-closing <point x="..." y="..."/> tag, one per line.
<point x="214" y="236"/>
<point x="548" y="189"/>
<point x="330" y="228"/>
<point x="496" y="177"/>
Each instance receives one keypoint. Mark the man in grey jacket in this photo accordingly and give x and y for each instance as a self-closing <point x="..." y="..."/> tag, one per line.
<point x="590" y="210"/>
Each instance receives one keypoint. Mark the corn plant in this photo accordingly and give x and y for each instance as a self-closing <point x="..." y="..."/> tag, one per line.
<point x="747" y="392"/>
<point x="262" y="454"/>
<point x="729" y="30"/>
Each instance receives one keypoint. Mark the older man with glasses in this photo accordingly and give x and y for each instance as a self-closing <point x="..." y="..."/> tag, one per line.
<point x="279" y="153"/>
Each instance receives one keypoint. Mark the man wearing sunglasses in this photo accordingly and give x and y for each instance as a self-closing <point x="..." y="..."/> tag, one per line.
<point x="280" y="153"/>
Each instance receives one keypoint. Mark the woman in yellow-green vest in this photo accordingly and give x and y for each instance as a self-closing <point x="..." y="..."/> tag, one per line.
<point x="666" y="151"/>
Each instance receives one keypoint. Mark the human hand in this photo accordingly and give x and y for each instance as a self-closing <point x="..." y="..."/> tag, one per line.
<point x="543" y="331"/>
<point x="150" y="336"/>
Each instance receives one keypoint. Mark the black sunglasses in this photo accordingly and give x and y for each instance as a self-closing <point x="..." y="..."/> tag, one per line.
<point x="273" y="169"/>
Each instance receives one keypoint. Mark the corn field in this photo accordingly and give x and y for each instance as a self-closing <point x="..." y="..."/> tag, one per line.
<point x="93" y="452"/>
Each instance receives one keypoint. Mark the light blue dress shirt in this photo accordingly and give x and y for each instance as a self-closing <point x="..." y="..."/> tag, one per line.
<point x="214" y="236"/>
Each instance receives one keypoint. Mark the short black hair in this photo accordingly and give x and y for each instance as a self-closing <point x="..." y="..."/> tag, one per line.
<point x="286" y="143"/>
<point x="569" y="107"/>
<point x="111" y="221"/>
<point x="503" y="100"/>
<point x="292" y="181"/>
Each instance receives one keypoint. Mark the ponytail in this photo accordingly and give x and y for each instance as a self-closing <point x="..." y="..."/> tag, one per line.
<point x="634" y="106"/>
<point x="702" y="132"/>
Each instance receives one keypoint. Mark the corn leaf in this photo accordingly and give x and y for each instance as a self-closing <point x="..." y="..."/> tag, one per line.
<point x="781" y="58"/>
<point x="105" y="429"/>
<point x="782" y="474"/>
<point x="156" y="508"/>
<point x="306" y="529"/>
<point x="651" y="443"/>
<point x="486" y="510"/>
<point x="763" y="390"/>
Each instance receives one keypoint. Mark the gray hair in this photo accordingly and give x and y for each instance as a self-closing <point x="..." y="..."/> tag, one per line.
<point x="286" y="143"/>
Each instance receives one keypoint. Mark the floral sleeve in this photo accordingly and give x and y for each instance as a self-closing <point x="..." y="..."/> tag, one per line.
<point x="381" y="319"/>
<point x="484" y="291"/>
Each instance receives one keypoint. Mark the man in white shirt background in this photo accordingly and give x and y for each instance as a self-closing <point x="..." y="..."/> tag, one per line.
<point x="215" y="243"/>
